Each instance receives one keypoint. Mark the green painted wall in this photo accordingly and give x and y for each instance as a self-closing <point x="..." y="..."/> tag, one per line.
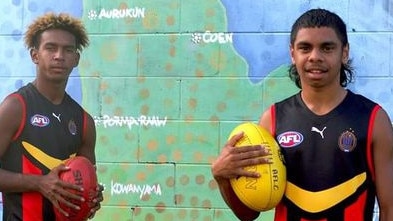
<point x="190" y="94"/>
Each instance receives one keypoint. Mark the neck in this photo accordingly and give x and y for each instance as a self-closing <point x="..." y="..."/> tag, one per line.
<point x="322" y="101"/>
<point x="53" y="92"/>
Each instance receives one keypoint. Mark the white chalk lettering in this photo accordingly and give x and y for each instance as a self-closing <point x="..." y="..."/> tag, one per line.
<point x="142" y="190"/>
<point x="129" y="121"/>
<point x="221" y="38"/>
<point x="209" y="37"/>
<point x="122" y="13"/>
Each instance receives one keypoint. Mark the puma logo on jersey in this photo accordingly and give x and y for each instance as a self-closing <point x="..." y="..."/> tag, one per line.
<point x="56" y="116"/>
<point x="314" y="129"/>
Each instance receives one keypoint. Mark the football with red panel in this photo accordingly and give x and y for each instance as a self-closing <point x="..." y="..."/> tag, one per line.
<point x="82" y="173"/>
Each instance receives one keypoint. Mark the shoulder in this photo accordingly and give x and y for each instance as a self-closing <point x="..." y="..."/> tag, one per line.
<point x="354" y="97"/>
<point x="12" y="112"/>
<point x="89" y="127"/>
<point x="382" y="124"/>
<point x="89" y="120"/>
<point x="68" y="100"/>
<point x="87" y="148"/>
<point x="266" y="118"/>
<point x="269" y="115"/>
<point x="290" y="99"/>
<point x="77" y="108"/>
<point x="13" y="103"/>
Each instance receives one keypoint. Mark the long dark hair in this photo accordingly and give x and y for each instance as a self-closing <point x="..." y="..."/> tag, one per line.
<point x="322" y="18"/>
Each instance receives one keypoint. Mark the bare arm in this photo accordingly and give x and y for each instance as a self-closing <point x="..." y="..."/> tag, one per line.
<point x="230" y="164"/>
<point x="88" y="150"/>
<point x="10" y="120"/>
<point x="266" y="120"/>
<point x="89" y="141"/>
<point x="383" y="163"/>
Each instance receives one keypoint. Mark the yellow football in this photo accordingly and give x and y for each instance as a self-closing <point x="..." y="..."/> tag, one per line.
<point x="265" y="192"/>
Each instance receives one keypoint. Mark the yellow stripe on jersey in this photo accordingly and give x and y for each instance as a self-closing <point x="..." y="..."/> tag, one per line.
<point x="318" y="201"/>
<point x="45" y="159"/>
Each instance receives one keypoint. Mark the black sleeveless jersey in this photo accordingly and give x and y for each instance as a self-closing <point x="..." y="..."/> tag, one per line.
<point x="48" y="135"/>
<point x="328" y="159"/>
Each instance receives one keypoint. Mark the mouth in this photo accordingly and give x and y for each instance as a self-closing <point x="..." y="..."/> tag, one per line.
<point x="316" y="70"/>
<point x="58" y="68"/>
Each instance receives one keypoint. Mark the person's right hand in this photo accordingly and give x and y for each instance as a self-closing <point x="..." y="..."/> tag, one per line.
<point x="232" y="160"/>
<point x="58" y="191"/>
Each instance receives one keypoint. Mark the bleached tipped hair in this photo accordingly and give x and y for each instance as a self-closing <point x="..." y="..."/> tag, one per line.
<point x="60" y="21"/>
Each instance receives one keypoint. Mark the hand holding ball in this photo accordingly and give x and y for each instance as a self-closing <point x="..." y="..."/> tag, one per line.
<point x="265" y="192"/>
<point x="82" y="173"/>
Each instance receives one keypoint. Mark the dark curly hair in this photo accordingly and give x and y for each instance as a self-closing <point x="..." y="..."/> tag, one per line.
<point x="322" y="18"/>
<point x="61" y="21"/>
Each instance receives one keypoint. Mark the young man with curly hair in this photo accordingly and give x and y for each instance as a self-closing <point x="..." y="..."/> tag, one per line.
<point x="41" y="125"/>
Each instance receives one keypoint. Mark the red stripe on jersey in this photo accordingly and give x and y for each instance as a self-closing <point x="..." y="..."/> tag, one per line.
<point x="23" y="120"/>
<point x="352" y="212"/>
<point x="273" y="122"/>
<point x="32" y="202"/>
<point x="84" y="133"/>
<point x="280" y="213"/>
<point x="370" y="160"/>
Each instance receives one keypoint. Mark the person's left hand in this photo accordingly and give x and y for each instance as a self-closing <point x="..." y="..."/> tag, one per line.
<point x="96" y="204"/>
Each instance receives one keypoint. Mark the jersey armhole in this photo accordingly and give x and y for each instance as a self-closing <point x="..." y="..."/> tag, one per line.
<point x="370" y="159"/>
<point x="84" y="127"/>
<point x="273" y="120"/>
<point x="23" y="120"/>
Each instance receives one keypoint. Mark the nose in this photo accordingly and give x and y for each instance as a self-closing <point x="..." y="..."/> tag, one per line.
<point x="58" y="54"/>
<point x="315" y="55"/>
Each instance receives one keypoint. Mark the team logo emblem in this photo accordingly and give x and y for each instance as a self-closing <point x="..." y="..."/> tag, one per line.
<point x="39" y="120"/>
<point x="72" y="127"/>
<point x="347" y="141"/>
<point x="290" y="139"/>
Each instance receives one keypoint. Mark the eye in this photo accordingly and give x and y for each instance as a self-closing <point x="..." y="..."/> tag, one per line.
<point x="328" y="48"/>
<point x="304" y="48"/>
<point x="70" y="50"/>
<point x="50" y="48"/>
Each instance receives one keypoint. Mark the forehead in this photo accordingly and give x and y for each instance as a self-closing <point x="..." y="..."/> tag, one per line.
<point x="317" y="36"/>
<point x="58" y="37"/>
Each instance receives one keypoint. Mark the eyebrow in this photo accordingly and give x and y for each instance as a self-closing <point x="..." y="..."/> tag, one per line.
<point x="56" y="44"/>
<point x="323" y="43"/>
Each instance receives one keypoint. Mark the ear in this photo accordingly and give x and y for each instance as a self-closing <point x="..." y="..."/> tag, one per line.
<point x="34" y="55"/>
<point x="291" y="52"/>
<point x="345" y="56"/>
<point x="77" y="57"/>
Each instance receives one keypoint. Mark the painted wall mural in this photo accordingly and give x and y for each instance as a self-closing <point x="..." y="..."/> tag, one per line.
<point x="166" y="80"/>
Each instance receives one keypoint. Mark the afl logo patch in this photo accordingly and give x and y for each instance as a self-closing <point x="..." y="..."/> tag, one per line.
<point x="39" y="120"/>
<point x="347" y="141"/>
<point x="290" y="139"/>
<point x="72" y="127"/>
